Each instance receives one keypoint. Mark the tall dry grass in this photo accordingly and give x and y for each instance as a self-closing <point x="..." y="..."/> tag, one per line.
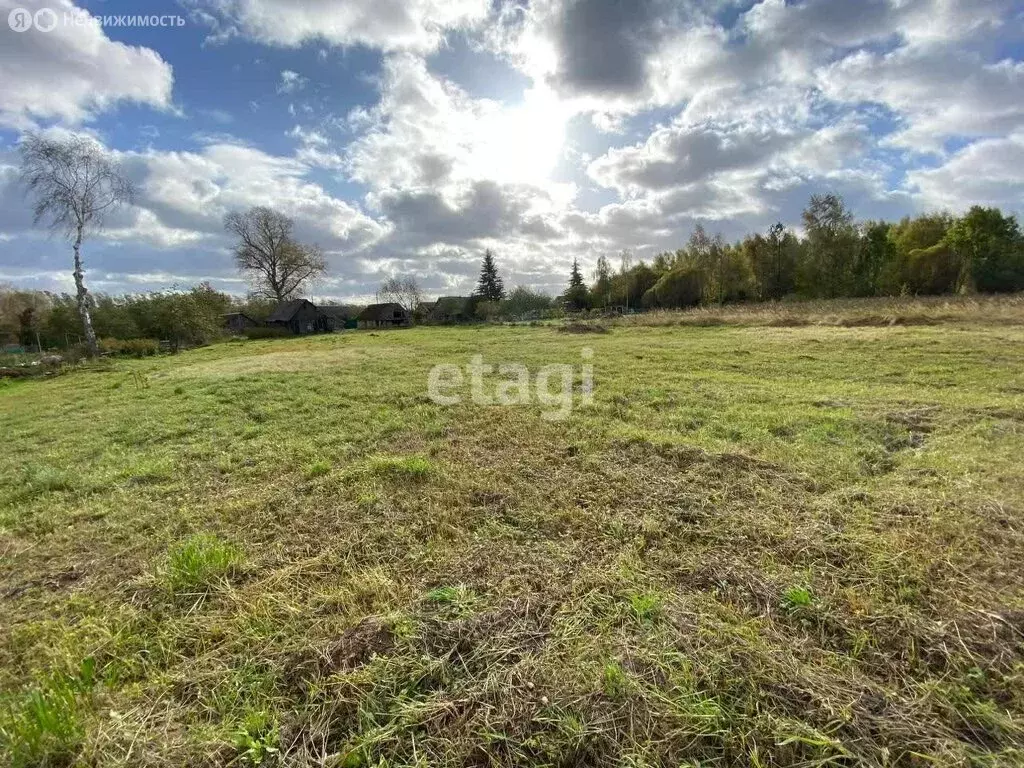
<point x="927" y="310"/>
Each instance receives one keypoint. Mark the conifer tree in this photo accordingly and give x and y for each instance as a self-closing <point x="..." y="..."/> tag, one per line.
<point x="576" y="295"/>
<point x="490" y="287"/>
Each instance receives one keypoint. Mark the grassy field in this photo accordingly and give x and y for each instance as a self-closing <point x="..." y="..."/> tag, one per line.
<point x="769" y="546"/>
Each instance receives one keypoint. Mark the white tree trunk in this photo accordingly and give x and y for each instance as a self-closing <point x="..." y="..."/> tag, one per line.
<point x="82" y="296"/>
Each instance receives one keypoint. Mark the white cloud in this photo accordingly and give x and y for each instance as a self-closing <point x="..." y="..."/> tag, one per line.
<point x="426" y="132"/>
<point x="938" y="92"/>
<point x="192" y="191"/>
<point x="73" y="71"/>
<point x="389" y="25"/>
<point x="291" y="81"/>
<point x="988" y="172"/>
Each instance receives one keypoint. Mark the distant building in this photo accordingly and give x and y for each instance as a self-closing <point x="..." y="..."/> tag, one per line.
<point x="339" y="316"/>
<point x="299" y="316"/>
<point x="451" y="309"/>
<point x="239" y="322"/>
<point x="383" y="316"/>
<point x="423" y="311"/>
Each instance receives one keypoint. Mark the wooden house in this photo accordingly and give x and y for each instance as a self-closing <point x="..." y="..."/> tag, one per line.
<point x="239" y="322"/>
<point x="449" y="310"/>
<point x="299" y="316"/>
<point x="339" y="316"/>
<point x="383" y="316"/>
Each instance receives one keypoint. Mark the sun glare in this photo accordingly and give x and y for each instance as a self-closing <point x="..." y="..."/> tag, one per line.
<point x="522" y="143"/>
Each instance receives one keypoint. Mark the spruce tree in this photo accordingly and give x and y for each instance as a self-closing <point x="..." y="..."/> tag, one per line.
<point x="576" y="295"/>
<point x="490" y="287"/>
<point x="575" y="277"/>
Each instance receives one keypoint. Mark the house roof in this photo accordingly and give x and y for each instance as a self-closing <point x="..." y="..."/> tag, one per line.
<point x="450" y="305"/>
<point x="380" y="312"/>
<point x="337" y="311"/>
<point x="286" y="310"/>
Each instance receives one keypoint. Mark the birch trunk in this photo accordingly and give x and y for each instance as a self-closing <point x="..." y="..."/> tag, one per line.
<point x="82" y="295"/>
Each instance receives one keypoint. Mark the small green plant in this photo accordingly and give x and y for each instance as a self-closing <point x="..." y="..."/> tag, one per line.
<point x="614" y="680"/>
<point x="257" y="740"/>
<point x="318" y="469"/>
<point x="44" y="479"/>
<point x="646" y="607"/>
<point x="200" y="563"/>
<point x="795" y="598"/>
<point x="43" y="725"/>
<point x="401" y="467"/>
<point x="458" y="599"/>
<point x="446" y="594"/>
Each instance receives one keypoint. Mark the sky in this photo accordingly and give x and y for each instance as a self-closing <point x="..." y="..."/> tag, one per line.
<point x="406" y="136"/>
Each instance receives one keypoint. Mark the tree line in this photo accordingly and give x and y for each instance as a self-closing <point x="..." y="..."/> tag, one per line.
<point x="74" y="185"/>
<point x="184" y="318"/>
<point x="936" y="253"/>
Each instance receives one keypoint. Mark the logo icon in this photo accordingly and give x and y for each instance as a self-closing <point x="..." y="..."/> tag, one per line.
<point x="45" y="19"/>
<point x="20" y="20"/>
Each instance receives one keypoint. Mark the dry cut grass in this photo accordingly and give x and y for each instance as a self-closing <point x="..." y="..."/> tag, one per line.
<point x="795" y="547"/>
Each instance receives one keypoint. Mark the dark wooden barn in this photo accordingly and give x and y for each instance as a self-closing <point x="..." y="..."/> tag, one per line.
<point x="299" y="316"/>
<point x="451" y="309"/>
<point x="239" y="322"/>
<point x="383" y="316"/>
<point x="339" y="316"/>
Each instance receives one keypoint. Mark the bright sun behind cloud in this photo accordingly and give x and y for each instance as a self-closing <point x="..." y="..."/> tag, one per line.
<point x="521" y="143"/>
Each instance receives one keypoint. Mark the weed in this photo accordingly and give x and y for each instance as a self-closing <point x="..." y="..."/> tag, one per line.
<point x="257" y="740"/>
<point x="646" y="607"/>
<point x="796" y="598"/>
<point x="44" y="724"/>
<point x="318" y="469"/>
<point x="401" y="467"/>
<point x="46" y="479"/>
<point x="199" y="563"/>
<point x="614" y="680"/>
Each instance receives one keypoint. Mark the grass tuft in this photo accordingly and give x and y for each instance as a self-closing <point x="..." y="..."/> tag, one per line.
<point x="200" y="563"/>
<point x="318" y="469"/>
<point x="401" y="467"/>
<point x="43" y="725"/>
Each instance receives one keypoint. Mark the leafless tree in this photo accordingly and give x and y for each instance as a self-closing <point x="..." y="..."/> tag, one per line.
<point x="404" y="291"/>
<point x="267" y="253"/>
<point x="73" y="184"/>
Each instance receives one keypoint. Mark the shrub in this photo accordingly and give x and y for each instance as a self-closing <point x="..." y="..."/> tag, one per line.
<point x="199" y="563"/>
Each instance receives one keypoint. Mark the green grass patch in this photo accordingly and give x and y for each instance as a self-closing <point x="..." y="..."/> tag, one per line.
<point x="413" y="468"/>
<point x="780" y="536"/>
<point x="200" y="562"/>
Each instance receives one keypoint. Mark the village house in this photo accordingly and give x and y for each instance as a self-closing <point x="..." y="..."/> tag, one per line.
<point x="383" y="316"/>
<point x="299" y="316"/>
<point x="239" y="322"/>
<point x="339" y="316"/>
<point x="449" y="310"/>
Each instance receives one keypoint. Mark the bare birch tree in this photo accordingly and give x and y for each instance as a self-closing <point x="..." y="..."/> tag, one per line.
<point x="403" y="291"/>
<point x="73" y="184"/>
<point x="267" y="253"/>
